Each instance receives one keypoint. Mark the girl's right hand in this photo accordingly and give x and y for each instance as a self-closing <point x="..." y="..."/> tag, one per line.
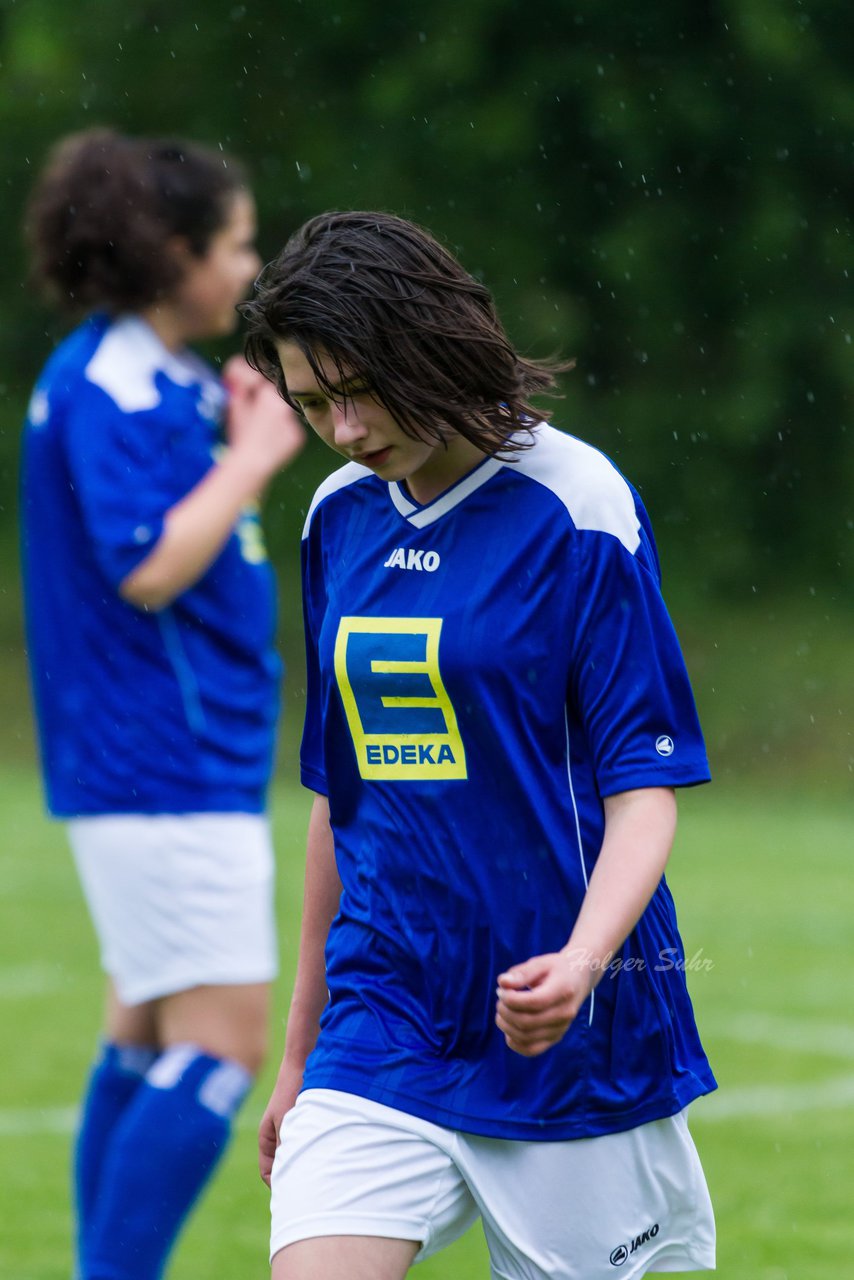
<point x="283" y="1097"/>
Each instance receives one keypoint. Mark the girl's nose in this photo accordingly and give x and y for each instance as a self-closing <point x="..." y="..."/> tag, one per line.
<point x="346" y="424"/>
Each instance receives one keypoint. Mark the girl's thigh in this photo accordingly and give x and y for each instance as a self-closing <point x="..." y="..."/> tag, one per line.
<point x="344" y="1258"/>
<point x="593" y="1208"/>
<point x="348" y="1167"/>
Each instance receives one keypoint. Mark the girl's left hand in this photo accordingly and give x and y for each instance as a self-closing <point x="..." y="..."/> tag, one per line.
<point x="538" y="1000"/>
<point x="258" y="420"/>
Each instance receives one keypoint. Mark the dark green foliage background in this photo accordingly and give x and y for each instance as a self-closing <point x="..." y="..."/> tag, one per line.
<point x="662" y="191"/>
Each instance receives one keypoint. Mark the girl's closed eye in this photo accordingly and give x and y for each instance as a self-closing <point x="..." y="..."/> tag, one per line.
<point x="309" y="405"/>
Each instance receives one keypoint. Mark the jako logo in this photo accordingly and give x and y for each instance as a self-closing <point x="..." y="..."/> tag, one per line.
<point x="622" y="1252"/>
<point x="665" y="745"/>
<point x="427" y="561"/>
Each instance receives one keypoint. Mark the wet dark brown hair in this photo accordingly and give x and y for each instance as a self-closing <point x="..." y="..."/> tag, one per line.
<point x="101" y="215"/>
<point x="388" y="304"/>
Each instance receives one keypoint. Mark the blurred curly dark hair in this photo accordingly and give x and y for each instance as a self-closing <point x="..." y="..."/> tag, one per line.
<point x="390" y="305"/>
<point x="105" y="206"/>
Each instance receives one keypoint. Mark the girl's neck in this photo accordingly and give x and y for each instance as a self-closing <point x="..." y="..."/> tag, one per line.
<point x="163" y="320"/>
<point x="444" y="469"/>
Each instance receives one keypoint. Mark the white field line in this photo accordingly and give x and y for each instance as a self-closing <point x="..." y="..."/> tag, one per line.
<point x="758" y="1101"/>
<point x="745" y="1102"/>
<point x="729" y="1103"/>
<point x="832" y="1040"/>
<point x="26" y="1121"/>
<point x="24" y="981"/>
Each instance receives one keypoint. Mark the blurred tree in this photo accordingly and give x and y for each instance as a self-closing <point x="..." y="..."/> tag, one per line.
<point x="663" y="192"/>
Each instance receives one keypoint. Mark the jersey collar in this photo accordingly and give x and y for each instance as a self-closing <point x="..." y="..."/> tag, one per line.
<point x="420" y="517"/>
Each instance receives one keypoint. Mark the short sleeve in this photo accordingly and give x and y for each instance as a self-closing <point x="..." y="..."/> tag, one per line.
<point x="122" y="471"/>
<point x="629" y="686"/>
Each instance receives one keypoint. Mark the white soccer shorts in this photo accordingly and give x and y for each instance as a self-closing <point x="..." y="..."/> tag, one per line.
<point x="179" y="900"/>
<point x="606" y="1208"/>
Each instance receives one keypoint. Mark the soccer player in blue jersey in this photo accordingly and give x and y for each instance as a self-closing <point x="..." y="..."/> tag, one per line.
<point x="150" y="618"/>
<point x="489" y="1017"/>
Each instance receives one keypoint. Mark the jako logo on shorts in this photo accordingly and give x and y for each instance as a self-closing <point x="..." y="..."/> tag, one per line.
<point x="623" y="1252"/>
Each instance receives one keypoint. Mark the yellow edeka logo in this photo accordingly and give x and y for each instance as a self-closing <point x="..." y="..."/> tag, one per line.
<point x="400" y="716"/>
<point x="250" y="535"/>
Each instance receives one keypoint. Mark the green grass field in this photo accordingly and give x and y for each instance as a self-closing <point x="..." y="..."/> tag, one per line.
<point x="766" y="896"/>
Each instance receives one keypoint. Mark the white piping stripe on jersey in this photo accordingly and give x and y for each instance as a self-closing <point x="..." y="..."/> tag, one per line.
<point x="578" y="838"/>
<point x="404" y="506"/>
<point x="427" y="515"/>
<point x="339" y="479"/>
<point x="597" y="497"/>
<point x="584" y="480"/>
<point x="188" y="685"/>
<point x="587" y="483"/>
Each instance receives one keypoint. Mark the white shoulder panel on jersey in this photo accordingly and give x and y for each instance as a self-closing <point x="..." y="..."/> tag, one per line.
<point x="127" y="359"/>
<point x="586" y="482"/>
<point x="339" y="479"/>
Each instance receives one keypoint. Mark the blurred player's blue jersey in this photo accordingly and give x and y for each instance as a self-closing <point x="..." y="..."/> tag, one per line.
<point x="138" y="711"/>
<point x="482" y="672"/>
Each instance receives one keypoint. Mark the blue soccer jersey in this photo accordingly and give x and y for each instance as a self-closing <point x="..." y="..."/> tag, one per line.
<point x="482" y="671"/>
<point x="138" y="711"/>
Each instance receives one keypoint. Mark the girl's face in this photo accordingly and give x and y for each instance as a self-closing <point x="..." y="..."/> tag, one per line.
<point x="212" y="285"/>
<point x="363" y="430"/>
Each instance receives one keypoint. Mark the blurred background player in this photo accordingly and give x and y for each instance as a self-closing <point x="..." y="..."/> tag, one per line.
<point x="498" y="714"/>
<point x="150" y="620"/>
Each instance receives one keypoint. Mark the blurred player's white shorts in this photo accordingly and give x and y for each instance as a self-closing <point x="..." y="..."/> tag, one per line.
<point x="590" y="1209"/>
<point x="179" y="900"/>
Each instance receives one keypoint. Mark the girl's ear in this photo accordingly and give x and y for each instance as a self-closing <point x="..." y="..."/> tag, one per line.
<point x="178" y="251"/>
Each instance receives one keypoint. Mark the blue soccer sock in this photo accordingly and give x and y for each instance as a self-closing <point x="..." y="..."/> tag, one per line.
<point x="116" y="1075"/>
<point x="164" y="1150"/>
